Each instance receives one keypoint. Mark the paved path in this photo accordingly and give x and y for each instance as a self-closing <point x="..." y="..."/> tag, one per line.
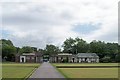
<point x="46" y="70"/>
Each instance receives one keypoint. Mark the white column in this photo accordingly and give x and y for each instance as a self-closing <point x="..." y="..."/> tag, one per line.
<point x="79" y="60"/>
<point x="88" y="60"/>
<point x="83" y="59"/>
<point x="97" y="60"/>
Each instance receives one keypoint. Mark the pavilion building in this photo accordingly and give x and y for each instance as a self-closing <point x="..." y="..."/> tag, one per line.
<point x="58" y="58"/>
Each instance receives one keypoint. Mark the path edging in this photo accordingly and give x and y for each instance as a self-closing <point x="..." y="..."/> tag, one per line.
<point x="30" y="74"/>
<point x="59" y="71"/>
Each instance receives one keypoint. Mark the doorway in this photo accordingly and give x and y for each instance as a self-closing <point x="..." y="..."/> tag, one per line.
<point x="73" y="59"/>
<point x="22" y="59"/>
<point x="45" y="58"/>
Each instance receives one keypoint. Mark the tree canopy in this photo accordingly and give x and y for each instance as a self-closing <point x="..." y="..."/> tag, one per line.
<point x="106" y="51"/>
<point x="51" y="49"/>
<point x="26" y="49"/>
<point x="75" y="45"/>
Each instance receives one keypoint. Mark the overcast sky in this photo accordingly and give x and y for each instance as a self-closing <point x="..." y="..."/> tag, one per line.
<point x="40" y="22"/>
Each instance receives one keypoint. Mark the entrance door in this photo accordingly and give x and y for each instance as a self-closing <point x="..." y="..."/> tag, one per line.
<point x="73" y="60"/>
<point x="22" y="59"/>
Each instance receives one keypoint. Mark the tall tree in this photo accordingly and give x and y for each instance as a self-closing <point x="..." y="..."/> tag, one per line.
<point x="75" y="46"/>
<point x="112" y="50"/>
<point x="98" y="47"/>
<point x="8" y="50"/>
<point x="52" y="49"/>
<point x="81" y="45"/>
<point x="68" y="45"/>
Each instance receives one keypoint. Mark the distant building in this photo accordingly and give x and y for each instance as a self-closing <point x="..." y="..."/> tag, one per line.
<point x="58" y="58"/>
<point x="87" y="57"/>
<point x="61" y="57"/>
<point x="29" y="57"/>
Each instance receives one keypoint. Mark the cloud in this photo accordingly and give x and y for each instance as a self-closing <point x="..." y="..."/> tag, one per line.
<point x="37" y="23"/>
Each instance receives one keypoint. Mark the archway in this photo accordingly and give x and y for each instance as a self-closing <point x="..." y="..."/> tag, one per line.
<point x="46" y="58"/>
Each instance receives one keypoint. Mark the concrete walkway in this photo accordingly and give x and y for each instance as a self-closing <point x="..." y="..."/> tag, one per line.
<point x="46" y="70"/>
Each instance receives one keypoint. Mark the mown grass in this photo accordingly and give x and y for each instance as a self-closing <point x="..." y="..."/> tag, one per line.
<point x="88" y="72"/>
<point x="17" y="70"/>
<point x="85" y="64"/>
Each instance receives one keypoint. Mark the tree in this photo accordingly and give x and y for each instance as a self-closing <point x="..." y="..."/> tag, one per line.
<point x="8" y="50"/>
<point x="6" y="42"/>
<point x="117" y="57"/>
<point x="68" y="45"/>
<point x="26" y="49"/>
<point x="41" y="51"/>
<point x="34" y="49"/>
<point x="98" y="47"/>
<point x="75" y="46"/>
<point x="112" y="50"/>
<point x="52" y="49"/>
<point x="81" y="45"/>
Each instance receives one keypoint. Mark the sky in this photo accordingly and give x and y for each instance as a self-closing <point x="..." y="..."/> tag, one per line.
<point x="40" y="22"/>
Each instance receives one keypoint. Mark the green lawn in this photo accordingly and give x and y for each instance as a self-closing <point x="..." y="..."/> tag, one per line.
<point x="85" y="64"/>
<point x="88" y="72"/>
<point x="17" y="70"/>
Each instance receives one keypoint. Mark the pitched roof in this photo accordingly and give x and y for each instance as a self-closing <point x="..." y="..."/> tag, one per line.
<point x="87" y="55"/>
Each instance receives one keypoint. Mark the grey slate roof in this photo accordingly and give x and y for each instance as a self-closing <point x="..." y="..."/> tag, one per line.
<point x="87" y="55"/>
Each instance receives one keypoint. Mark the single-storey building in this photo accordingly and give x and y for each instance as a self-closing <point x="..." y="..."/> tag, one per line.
<point x="78" y="58"/>
<point x="61" y="57"/>
<point x="87" y="57"/>
<point x="58" y="58"/>
<point x="29" y="57"/>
